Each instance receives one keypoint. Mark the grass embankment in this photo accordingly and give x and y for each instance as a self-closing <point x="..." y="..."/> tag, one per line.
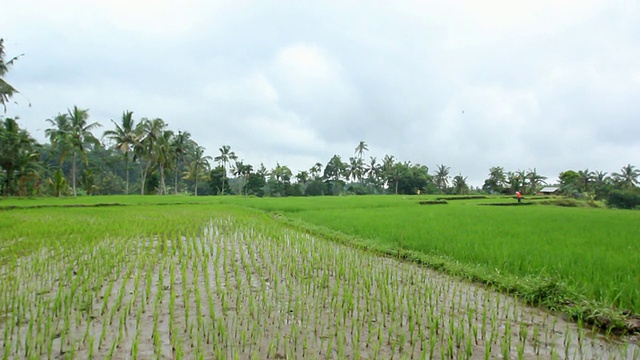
<point x="584" y="262"/>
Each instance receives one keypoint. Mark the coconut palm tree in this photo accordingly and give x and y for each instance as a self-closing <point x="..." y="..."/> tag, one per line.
<point x="80" y="136"/>
<point x="163" y="157"/>
<point x="241" y="171"/>
<point x="225" y="157"/>
<point x="6" y="90"/>
<point x="628" y="176"/>
<point x="58" y="135"/>
<point x="355" y="169"/>
<point x="315" y="170"/>
<point x="180" y="145"/>
<point x="460" y="186"/>
<point x="71" y="133"/>
<point x="148" y="133"/>
<point x="124" y="137"/>
<point x="373" y="172"/>
<point x="441" y="177"/>
<point x="361" y="148"/>
<point x="198" y="165"/>
<point x="18" y="155"/>
<point x="535" y="180"/>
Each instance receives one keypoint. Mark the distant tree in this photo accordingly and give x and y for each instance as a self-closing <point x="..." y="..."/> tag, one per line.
<point x="569" y="181"/>
<point x="302" y="177"/>
<point x="361" y="149"/>
<point x="124" y="137"/>
<point x="147" y="148"/>
<point x="535" y="180"/>
<point x="496" y="181"/>
<point x="164" y="157"/>
<point x="627" y="177"/>
<point x="280" y="180"/>
<point x="460" y="186"/>
<point x="412" y="177"/>
<point x="225" y="157"/>
<point x="516" y="181"/>
<point x="217" y="181"/>
<point x="242" y="172"/>
<point x="441" y="177"/>
<point x="585" y="180"/>
<point x="334" y="168"/>
<point x="58" y="135"/>
<point x="373" y="171"/>
<point x="181" y="145"/>
<point x="19" y="159"/>
<point x="355" y="169"/>
<point x="601" y="184"/>
<point x="198" y="165"/>
<point x="315" y="170"/>
<point x="6" y="90"/>
<point x="73" y="134"/>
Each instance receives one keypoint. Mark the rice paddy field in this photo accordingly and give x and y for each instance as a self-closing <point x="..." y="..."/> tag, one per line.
<point x="378" y="277"/>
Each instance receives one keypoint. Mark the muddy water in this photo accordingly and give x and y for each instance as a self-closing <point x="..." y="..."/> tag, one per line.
<point x="250" y="290"/>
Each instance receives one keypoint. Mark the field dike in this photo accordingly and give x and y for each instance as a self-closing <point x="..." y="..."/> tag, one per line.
<point x="250" y="288"/>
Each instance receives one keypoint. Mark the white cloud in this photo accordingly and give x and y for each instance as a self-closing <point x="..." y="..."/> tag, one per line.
<point x="542" y="84"/>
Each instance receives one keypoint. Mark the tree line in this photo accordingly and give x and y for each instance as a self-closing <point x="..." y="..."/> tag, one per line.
<point x="146" y="156"/>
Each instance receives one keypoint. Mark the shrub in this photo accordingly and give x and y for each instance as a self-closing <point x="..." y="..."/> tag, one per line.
<point x="624" y="199"/>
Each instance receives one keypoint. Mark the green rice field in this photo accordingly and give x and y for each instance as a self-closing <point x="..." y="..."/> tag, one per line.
<point x="335" y="277"/>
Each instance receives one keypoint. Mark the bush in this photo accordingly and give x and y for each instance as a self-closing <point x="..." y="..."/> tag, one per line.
<point x="624" y="199"/>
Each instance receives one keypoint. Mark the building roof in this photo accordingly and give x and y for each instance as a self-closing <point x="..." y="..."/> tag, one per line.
<point x="549" y="189"/>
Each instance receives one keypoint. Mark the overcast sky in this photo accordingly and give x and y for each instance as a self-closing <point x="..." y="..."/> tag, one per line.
<point x="551" y="85"/>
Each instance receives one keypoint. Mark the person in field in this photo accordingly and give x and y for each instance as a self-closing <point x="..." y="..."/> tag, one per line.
<point x="519" y="196"/>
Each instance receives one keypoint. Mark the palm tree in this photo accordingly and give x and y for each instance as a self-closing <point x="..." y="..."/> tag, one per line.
<point x="71" y="132"/>
<point x="388" y="163"/>
<point x="80" y="136"/>
<point x="241" y="171"/>
<point x="28" y="168"/>
<point x="198" y="165"/>
<point x="6" y="90"/>
<point x="361" y="148"/>
<point x="17" y="154"/>
<point x="460" y="186"/>
<point x="355" y="169"/>
<point x="442" y="177"/>
<point x="586" y="179"/>
<point x="226" y="156"/>
<point x="628" y="176"/>
<point x="373" y="171"/>
<point x="164" y="157"/>
<point x="58" y="135"/>
<point x="496" y="181"/>
<point x="302" y="177"/>
<point x="148" y="133"/>
<point x="125" y="138"/>
<point x="316" y="170"/>
<point x="535" y="180"/>
<point x="180" y="144"/>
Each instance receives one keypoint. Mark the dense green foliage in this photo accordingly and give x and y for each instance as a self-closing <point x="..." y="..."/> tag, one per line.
<point x="624" y="199"/>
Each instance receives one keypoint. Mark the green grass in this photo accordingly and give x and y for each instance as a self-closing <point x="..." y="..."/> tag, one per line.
<point x="591" y="254"/>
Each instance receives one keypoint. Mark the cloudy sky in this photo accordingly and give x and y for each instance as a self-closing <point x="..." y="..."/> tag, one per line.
<point x="551" y="85"/>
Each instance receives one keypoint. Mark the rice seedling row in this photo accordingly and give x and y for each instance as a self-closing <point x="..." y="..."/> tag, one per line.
<point x="242" y="286"/>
